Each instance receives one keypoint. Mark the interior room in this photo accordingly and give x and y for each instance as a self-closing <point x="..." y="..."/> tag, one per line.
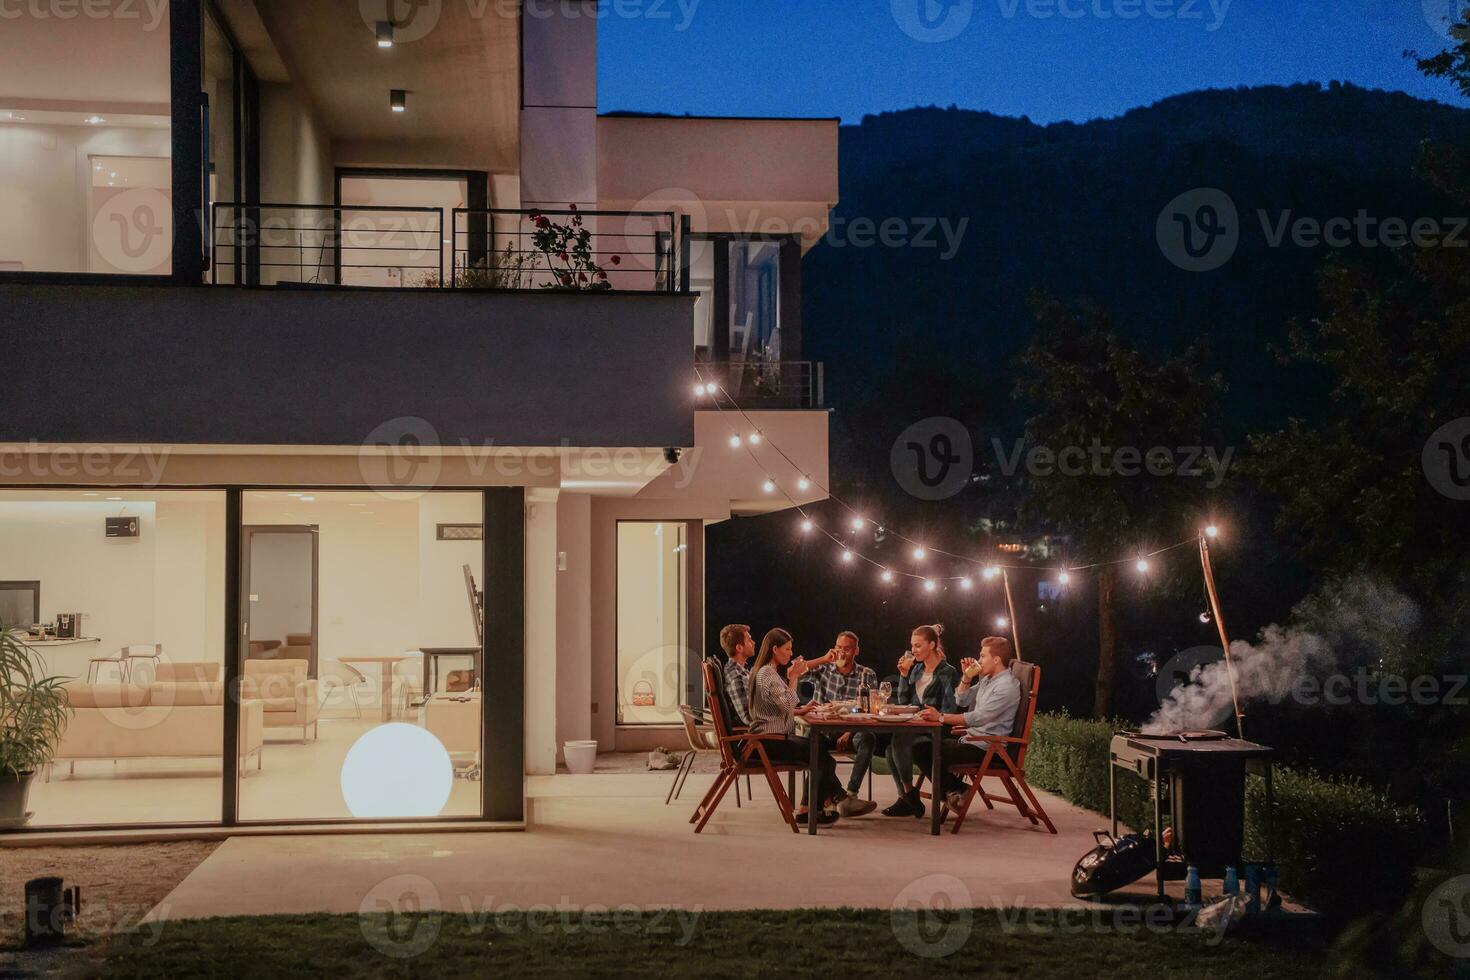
<point x="361" y="619"/>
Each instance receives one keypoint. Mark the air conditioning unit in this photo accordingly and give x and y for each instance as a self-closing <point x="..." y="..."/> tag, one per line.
<point x="122" y="527"/>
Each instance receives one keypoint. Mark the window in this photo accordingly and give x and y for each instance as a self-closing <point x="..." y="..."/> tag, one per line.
<point x="85" y="142"/>
<point x="755" y="301"/>
<point x="655" y="663"/>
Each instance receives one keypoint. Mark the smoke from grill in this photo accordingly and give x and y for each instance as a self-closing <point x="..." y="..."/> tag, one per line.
<point x="1353" y="623"/>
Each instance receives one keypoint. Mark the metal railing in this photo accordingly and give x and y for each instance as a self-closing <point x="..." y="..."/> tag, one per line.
<point x="327" y="245"/>
<point x="769" y="384"/>
<point x="500" y="248"/>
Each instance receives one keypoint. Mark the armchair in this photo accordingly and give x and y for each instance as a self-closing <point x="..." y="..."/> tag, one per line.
<point x="288" y="696"/>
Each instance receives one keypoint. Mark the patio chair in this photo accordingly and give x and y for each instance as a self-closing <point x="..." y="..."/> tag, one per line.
<point x="1005" y="759"/>
<point x="701" y="739"/>
<point x="741" y="754"/>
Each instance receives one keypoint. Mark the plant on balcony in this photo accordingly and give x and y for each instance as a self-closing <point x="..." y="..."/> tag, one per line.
<point x="506" y="269"/>
<point x="33" y="714"/>
<point x="567" y="249"/>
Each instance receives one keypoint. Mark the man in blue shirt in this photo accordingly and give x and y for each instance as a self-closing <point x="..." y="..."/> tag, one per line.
<point x="990" y="693"/>
<point x="842" y="679"/>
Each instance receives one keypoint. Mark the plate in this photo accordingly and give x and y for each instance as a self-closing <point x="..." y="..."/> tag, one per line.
<point x="900" y="709"/>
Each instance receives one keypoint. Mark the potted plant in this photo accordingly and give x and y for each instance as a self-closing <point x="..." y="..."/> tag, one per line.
<point x="33" y="714"/>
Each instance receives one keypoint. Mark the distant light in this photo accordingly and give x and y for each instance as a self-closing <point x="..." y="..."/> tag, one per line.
<point x="1212" y="531"/>
<point x="769" y="486"/>
<point x="919" y="553"/>
<point x="1001" y="622"/>
<point x="806" y="527"/>
<point x="1141" y="565"/>
<point x="803" y="484"/>
<point x="398" y="100"/>
<point x="385" y="34"/>
<point x="857" y="523"/>
<point x="846" y="555"/>
<point x="929" y="585"/>
<point x="966" y="583"/>
<point x="734" y="442"/>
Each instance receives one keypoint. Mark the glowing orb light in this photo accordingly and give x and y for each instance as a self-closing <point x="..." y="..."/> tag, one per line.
<point x="397" y="770"/>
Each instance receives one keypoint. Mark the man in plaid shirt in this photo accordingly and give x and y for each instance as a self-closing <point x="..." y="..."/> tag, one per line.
<point x="842" y="679"/>
<point x="739" y="647"/>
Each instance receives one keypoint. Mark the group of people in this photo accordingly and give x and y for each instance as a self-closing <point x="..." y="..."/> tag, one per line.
<point x="761" y="693"/>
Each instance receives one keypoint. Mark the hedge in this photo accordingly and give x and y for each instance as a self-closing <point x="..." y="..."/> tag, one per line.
<point x="1341" y="847"/>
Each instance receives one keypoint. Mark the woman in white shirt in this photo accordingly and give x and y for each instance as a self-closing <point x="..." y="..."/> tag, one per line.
<point x="773" y="710"/>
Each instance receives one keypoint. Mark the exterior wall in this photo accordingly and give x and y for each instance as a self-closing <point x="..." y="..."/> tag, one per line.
<point x="559" y="104"/>
<point x="543" y="627"/>
<point x="767" y="176"/>
<point x="295" y="150"/>
<point x="326" y="367"/>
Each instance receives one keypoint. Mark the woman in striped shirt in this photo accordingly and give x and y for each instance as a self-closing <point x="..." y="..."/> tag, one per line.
<point x="773" y="710"/>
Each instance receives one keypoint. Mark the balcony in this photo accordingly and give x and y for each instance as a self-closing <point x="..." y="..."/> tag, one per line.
<point x="769" y="384"/>
<point x="387" y="247"/>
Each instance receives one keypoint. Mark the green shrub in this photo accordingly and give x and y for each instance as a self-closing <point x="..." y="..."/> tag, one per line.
<point x="1341" y="847"/>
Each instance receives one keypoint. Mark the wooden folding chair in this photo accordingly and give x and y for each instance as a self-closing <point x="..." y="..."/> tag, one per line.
<point x="1005" y="759"/>
<point x="741" y="754"/>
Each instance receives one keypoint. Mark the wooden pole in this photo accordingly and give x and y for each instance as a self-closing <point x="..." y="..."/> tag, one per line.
<point x="1214" y="595"/>
<point x="1005" y="577"/>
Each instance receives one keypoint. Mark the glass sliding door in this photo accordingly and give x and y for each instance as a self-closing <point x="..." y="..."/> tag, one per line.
<point x="361" y="671"/>
<point x="654" y="655"/>
<point x="124" y="599"/>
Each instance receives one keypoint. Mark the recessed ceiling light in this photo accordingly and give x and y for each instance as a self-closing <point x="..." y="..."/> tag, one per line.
<point x="295" y="494"/>
<point x="384" y="31"/>
<point x="91" y="495"/>
<point x="114" y="498"/>
<point x="94" y="120"/>
<point x="398" y="100"/>
<point x="307" y="500"/>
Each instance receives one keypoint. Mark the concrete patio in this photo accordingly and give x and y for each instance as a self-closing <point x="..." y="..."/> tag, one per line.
<point x="608" y="840"/>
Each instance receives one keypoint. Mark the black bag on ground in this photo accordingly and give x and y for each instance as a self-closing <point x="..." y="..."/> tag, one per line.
<point x="1112" y="864"/>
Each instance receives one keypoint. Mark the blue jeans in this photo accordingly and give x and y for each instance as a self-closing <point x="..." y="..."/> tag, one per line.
<point x="900" y="755"/>
<point x="863" y="746"/>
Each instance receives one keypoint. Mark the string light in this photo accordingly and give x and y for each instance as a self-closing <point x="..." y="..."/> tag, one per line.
<point x="919" y="553"/>
<point x="803" y="484"/>
<point x="755" y="438"/>
<point x="1064" y="577"/>
<point x="1212" y="531"/>
<point x="1001" y="622"/>
<point x="1141" y="565"/>
<point x="806" y="526"/>
<point x="857" y="523"/>
<point x="965" y="583"/>
<point x="699" y="390"/>
<point x="734" y="442"/>
<point x="929" y="585"/>
<point x="846" y="555"/>
<point x="769" y="486"/>
<point x="991" y="571"/>
<point x="1204" y="617"/>
<point x="887" y="576"/>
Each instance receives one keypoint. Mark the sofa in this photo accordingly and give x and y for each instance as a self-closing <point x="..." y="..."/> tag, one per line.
<point x="180" y="715"/>
<point x="289" y="698"/>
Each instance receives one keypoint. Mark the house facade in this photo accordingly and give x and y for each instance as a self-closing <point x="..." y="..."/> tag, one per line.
<point x="377" y="391"/>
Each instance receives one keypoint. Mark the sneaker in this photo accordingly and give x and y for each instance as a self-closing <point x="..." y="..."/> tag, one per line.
<point x="954" y="800"/>
<point x="825" y="818"/>
<point x="855" y="806"/>
<point x="904" y="806"/>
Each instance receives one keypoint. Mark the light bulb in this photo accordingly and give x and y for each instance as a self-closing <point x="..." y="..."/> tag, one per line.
<point x="806" y="527"/>
<point x="1064" y="578"/>
<point x="991" y="571"/>
<point x="1001" y="622"/>
<point x="965" y="583"/>
<point x="1204" y="617"/>
<point x="1212" y="531"/>
<point x="698" y="390"/>
<point x="769" y="486"/>
<point x="929" y="585"/>
<point x="1141" y="565"/>
<point x="755" y="438"/>
<point x="887" y="576"/>
<point x="857" y="523"/>
<point x="847" y="556"/>
<point x="919" y="553"/>
<point x="803" y="484"/>
<point x="734" y="442"/>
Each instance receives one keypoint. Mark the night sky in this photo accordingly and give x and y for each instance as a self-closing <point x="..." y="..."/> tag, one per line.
<point x="1012" y="57"/>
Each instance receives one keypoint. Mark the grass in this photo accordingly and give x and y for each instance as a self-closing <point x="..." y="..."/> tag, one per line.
<point x="843" y="943"/>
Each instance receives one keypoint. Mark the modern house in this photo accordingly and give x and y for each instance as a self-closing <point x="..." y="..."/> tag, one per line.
<point x="335" y="322"/>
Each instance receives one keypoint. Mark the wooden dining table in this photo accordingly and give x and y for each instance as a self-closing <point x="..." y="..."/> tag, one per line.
<point x="836" y="724"/>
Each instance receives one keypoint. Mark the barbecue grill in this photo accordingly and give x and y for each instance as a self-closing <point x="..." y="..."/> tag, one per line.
<point x="1200" y="776"/>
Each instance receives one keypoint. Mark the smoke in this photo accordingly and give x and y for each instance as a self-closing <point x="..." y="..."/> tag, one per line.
<point x="1356" y="622"/>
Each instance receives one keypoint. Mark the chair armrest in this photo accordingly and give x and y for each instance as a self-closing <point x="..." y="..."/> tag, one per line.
<point x="307" y="702"/>
<point x="996" y="739"/>
<point x="748" y="737"/>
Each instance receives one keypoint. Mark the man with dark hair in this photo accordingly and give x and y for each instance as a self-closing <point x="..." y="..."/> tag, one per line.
<point x="990" y="693"/>
<point x="842" y="679"/>
<point x="739" y="647"/>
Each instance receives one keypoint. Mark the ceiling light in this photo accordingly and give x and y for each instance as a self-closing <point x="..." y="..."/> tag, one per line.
<point x="398" y="100"/>
<point x="114" y="499"/>
<point x="803" y="484"/>
<point x="755" y="437"/>
<point x="769" y="486"/>
<point x="385" y="34"/>
<point x="308" y="500"/>
<point x="94" y="120"/>
<point x="734" y="442"/>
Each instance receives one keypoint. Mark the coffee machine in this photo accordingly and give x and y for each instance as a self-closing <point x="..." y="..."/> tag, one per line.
<point x="68" y="626"/>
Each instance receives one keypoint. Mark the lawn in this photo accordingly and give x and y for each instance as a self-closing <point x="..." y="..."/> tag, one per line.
<point x="842" y="943"/>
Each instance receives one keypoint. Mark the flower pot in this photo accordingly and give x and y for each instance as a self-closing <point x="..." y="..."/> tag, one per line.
<point x="581" y="755"/>
<point x="13" y="793"/>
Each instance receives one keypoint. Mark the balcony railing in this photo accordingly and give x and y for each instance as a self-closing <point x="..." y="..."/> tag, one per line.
<point x="499" y="248"/>
<point x="769" y="384"/>
<point x="398" y="247"/>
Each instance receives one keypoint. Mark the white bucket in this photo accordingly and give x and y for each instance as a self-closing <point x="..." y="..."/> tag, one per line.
<point x="581" y="755"/>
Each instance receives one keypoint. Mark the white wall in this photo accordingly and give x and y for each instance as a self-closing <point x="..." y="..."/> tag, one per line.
<point x="295" y="150"/>
<point x="559" y="105"/>
<point x="45" y="189"/>
<point x="444" y="618"/>
<point x="164" y="586"/>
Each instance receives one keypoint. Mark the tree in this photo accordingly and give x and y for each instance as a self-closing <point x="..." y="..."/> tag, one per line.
<point x="1091" y="392"/>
